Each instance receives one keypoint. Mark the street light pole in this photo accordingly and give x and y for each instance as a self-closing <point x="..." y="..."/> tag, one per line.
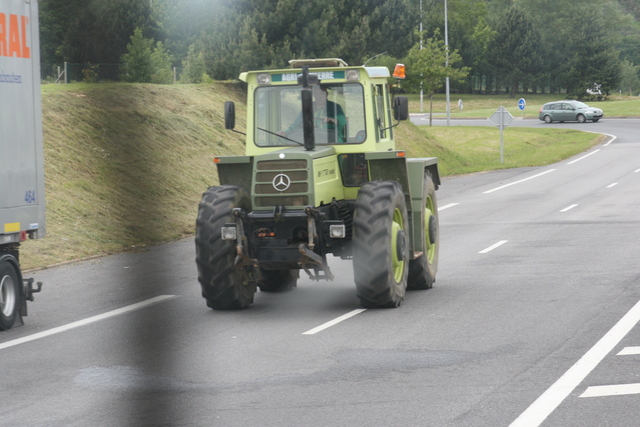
<point x="446" y="44"/>
<point x="421" y="90"/>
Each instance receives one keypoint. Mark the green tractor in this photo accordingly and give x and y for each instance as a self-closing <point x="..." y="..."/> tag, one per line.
<point x="321" y="175"/>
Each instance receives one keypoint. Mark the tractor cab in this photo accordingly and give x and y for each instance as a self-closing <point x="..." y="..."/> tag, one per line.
<point x="351" y="107"/>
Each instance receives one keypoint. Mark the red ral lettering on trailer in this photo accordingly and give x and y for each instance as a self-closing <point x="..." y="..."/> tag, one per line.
<point x="13" y="36"/>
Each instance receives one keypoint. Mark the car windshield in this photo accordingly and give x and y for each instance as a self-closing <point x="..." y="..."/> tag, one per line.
<point x="580" y="105"/>
<point x="338" y="115"/>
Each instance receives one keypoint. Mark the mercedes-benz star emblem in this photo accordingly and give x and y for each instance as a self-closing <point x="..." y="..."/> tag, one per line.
<point x="281" y="182"/>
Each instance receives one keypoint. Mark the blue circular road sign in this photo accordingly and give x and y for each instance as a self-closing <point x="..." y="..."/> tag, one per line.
<point x="522" y="103"/>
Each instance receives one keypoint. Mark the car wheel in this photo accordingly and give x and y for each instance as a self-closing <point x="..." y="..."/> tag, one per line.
<point x="548" y="119"/>
<point x="580" y="118"/>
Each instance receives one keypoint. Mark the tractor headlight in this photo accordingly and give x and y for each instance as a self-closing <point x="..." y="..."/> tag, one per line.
<point x="337" y="231"/>
<point x="229" y="232"/>
<point x="264" y="79"/>
<point x="353" y="75"/>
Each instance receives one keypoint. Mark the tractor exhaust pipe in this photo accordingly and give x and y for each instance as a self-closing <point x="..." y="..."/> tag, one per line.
<point x="307" y="110"/>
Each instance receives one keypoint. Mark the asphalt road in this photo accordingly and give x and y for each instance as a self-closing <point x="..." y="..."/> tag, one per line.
<point x="535" y="300"/>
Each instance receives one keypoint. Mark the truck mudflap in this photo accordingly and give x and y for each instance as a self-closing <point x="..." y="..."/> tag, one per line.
<point x="277" y="253"/>
<point x="27" y="293"/>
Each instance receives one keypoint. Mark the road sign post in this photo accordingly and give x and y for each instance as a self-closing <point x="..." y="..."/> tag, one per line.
<point x="521" y="105"/>
<point x="501" y="118"/>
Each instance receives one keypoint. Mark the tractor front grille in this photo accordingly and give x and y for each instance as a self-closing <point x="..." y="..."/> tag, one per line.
<point x="276" y="165"/>
<point x="268" y="193"/>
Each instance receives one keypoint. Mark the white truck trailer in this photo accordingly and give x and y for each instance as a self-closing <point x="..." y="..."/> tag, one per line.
<point x="22" y="207"/>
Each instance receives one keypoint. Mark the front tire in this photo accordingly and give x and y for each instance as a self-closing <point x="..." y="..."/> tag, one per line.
<point x="223" y="285"/>
<point x="9" y="295"/>
<point x="380" y="249"/>
<point x="422" y="270"/>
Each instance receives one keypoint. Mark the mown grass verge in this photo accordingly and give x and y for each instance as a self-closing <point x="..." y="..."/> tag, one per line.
<point x="126" y="164"/>
<point x="474" y="106"/>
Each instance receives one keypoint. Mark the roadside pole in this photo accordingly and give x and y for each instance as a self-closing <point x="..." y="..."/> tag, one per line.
<point x="501" y="118"/>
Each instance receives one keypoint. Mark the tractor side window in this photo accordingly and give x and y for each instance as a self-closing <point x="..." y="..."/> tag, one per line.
<point x="380" y="112"/>
<point x="353" y="169"/>
<point x="389" y="112"/>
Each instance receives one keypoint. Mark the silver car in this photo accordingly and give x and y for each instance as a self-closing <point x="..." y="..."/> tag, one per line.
<point x="569" y="111"/>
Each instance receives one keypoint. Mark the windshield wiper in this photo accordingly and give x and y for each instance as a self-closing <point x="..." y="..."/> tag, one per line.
<point x="280" y="136"/>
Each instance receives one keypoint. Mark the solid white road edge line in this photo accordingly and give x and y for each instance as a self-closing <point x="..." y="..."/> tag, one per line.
<point x="539" y="410"/>
<point x="611" y="390"/>
<point x="568" y="208"/>
<point x="613" y="138"/>
<point x="450" y="205"/>
<point x="518" y="182"/>
<point x="612" y="185"/>
<point x="583" y="157"/>
<point x="87" y="321"/>
<point x="334" y="321"/>
<point x="629" y="351"/>
<point x="492" y="247"/>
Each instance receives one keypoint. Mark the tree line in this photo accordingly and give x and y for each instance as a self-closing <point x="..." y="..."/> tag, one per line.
<point x="539" y="46"/>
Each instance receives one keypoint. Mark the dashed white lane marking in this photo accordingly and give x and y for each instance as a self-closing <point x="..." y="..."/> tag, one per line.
<point x="611" y="390"/>
<point x="568" y="208"/>
<point x="629" y="351"/>
<point x="583" y="157"/>
<point x="86" y="321"/>
<point x="612" y="185"/>
<point x="539" y="410"/>
<point x="450" y="205"/>
<point x="636" y="171"/>
<point x="492" y="247"/>
<point x="334" y="321"/>
<point x="518" y="182"/>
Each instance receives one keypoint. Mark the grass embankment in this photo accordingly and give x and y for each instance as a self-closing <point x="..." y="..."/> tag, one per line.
<point x="125" y="165"/>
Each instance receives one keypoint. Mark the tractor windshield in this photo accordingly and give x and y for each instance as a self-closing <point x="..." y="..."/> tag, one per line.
<point x="338" y="115"/>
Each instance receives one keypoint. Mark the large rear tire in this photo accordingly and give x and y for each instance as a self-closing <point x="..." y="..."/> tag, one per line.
<point x="422" y="270"/>
<point x="278" y="280"/>
<point x="223" y="285"/>
<point x="380" y="249"/>
<point x="9" y="295"/>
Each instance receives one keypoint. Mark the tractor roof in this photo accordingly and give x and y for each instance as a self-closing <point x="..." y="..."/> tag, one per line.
<point x="371" y="72"/>
<point x="318" y="63"/>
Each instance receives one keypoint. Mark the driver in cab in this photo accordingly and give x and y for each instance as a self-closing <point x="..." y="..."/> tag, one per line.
<point x="326" y="114"/>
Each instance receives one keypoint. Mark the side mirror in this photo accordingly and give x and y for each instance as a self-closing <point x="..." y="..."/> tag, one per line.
<point x="229" y="115"/>
<point x="400" y="108"/>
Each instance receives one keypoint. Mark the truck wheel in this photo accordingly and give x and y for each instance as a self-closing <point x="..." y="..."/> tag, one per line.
<point x="380" y="247"/>
<point x="422" y="270"/>
<point x="8" y="295"/>
<point x="223" y="285"/>
<point x="278" y="280"/>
